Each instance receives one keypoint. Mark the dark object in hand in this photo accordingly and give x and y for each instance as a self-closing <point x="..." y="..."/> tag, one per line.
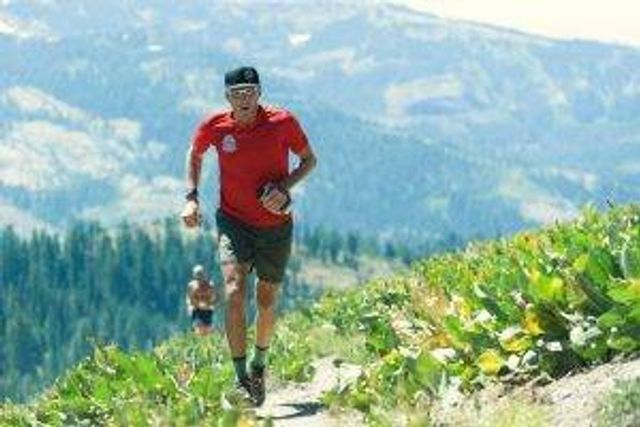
<point x="268" y="188"/>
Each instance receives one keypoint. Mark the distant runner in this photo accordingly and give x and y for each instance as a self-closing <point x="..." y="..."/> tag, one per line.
<point x="254" y="220"/>
<point x="201" y="299"/>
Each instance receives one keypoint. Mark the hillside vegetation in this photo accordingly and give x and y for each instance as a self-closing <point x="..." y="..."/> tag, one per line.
<point x="60" y="294"/>
<point x="540" y="303"/>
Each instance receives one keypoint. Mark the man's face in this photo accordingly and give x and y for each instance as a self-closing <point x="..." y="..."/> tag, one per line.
<point x="244" y="100"/>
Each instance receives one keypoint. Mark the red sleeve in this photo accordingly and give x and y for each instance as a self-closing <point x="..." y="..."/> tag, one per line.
<point x="296" y="137"/>
<point x="203" y="138"/>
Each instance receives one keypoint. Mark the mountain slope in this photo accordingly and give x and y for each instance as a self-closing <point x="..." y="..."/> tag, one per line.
<point x="541" y="303"/>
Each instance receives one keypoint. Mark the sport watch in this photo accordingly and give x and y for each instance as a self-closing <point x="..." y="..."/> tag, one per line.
<point x="192" y="195"/>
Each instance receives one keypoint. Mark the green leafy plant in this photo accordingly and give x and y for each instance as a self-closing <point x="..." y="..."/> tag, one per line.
<point x="538" y="303"/>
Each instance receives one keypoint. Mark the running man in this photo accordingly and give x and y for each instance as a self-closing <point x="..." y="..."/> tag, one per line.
<point x="254" y="220"/>
<point x="201" y="298"/>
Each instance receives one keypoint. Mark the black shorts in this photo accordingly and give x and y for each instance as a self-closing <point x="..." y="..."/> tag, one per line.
<point x="265" y="249"/>
<point x="201" y="317"/>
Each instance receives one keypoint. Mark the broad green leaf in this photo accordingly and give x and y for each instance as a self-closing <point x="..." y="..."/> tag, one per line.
<point x="553" y="288"/>
<point x="630" y="259"/>
<point x="453" y="325"/>
<point x="428" y="370"/>
<point x="595" y="294"/>
<point x="546" y="288"/>
<point x="624" y="343"/>
<point x="611" y="318"/>
<point x="601" y="266"/>
<point x="627" y="292"/>
<point x="634" y="315"/>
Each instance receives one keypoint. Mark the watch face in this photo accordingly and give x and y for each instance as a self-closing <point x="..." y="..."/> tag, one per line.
<point x="192" y="194"/>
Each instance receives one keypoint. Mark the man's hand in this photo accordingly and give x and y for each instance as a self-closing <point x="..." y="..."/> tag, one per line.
<point x="275" y="198"/>
<point x="191" y="214"/>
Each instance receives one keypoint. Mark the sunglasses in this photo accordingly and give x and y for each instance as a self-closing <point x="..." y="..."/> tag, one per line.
<point x="241" y="92"/>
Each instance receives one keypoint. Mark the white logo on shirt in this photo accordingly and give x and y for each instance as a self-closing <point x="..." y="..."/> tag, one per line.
<point x="229" y="144"/>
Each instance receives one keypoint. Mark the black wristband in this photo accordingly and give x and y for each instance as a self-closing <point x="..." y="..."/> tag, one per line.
<point x="192" y="195"/>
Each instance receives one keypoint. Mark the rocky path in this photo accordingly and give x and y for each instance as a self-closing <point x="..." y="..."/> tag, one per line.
<point x="570" y="401"/>
<point x="298" y="405"/>
<point x="574" y="400"/>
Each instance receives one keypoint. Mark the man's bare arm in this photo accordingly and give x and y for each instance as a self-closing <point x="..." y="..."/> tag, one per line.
<point x="194" y="166"/>
<point x="275" y="200"/>
<point x="191" y="214"/>
<point x="189" y="300"/>
<point x="307" y="162"/>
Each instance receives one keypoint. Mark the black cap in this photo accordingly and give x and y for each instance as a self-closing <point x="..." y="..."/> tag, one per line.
<point x="241" y="76"/>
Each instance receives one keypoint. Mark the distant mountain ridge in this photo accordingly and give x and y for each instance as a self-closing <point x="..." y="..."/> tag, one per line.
<point x="422" y="125"/>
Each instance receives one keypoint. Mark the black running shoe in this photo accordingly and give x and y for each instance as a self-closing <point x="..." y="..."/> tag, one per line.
<point x="240" y="396"/>
<point x="257" y="385"/>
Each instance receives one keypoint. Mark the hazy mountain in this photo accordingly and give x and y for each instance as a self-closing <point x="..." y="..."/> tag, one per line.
<point x="421" y="124"/>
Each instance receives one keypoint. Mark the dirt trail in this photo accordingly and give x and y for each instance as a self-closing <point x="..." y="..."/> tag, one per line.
<point x="571" y="401"/>
<point x="574" y="399"/>
<point x="296" y="405"/>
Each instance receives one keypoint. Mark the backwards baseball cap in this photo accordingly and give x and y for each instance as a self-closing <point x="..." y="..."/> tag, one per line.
<point x="242" y="76"/>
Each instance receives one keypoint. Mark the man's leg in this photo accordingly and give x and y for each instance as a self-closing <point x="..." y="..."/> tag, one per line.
<point x="271" y="260"/>
<point x="236" y="257"/>
<point x="235" y="275"/>
<point x="272" y="253"/>
<point x="267" y="293"/>
<point x="267" y="297"/>
<point x="206" y="327"/>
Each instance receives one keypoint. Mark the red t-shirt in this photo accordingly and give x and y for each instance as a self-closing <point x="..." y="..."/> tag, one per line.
<point x="249" y="158"/>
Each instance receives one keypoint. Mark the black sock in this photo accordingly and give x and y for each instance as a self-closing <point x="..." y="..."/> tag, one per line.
<point x="240" y="364"/>
<point x="259" y="357"/>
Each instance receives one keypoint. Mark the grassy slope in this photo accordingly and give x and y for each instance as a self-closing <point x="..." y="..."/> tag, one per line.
<point x="540" y="302"/>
